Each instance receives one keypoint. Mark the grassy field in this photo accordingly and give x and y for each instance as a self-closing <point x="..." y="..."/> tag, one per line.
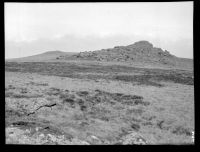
<point x="79" y="103"/>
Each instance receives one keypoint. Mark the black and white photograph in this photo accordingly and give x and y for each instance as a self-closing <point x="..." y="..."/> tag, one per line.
<point x="99" y="73"/>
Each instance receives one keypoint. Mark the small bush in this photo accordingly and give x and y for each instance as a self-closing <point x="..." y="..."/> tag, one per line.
<point x="8" y="94"/>
<point x="126" y="97"/>
<point x="68" y="100"/>
<point x="19" y="96"/>
<point x="24" y="90"/>
<point x="135" y="111"/>
<point x="83" y="107"/>
<point x="67" y="95"/>
<point x="119" y="94"/>
<point x="135" y="126"/>
<point x="53" y="91"/>
<point x="136" y="120"/>
<point x="82" y="93"/>
<point x="140" y="79"/>
<point x="181" y="130"/>
<point x="39" y="84"/>
<point x="26" y="96"/>
<point x="12" y="113"/>
<point x="20" y="123"/>
<point x="176" y="78"/>
<point x="136" y="97"/>
<point x="50" y="98"/>
<point x="128" y="102"/>
<point x="104" y="118"/>
<point x="137" y="102"/>
<point x="80" y="102"/>
<point x="97" y="90"/>
<point x="147" y="123"/>
<point x="11" y="87"/>
<point x="126" y="78"/>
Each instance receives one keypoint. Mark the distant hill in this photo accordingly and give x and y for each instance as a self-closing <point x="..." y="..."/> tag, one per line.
<point x="47" y="56"/>
<point x="141" y="51"/>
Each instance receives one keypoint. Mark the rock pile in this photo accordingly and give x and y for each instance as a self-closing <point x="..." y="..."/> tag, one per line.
<point x="141" y="51"/>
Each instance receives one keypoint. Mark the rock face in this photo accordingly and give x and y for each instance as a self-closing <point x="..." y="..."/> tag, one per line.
<point x="141" y="51"/>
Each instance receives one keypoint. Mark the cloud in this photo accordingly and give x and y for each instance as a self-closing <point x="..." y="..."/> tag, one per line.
<point x="32" y="28"/>
<point x="36" y="21"/>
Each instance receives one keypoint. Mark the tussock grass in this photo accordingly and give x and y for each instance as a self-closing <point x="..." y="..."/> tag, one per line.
<point x="27" y="96"/>
<point x="53" y="91"/>
<point x="73" y="70"/>
<point x="103" y="112"/>
<point x="135" y="126"/>
<point x="134" y="111"/>
<point x="82" y="93"/>
<point x="11" y="87"/>
<point x="38" y="84"/>
<point x="181" y="130"/>
<point x="8" y="94"/>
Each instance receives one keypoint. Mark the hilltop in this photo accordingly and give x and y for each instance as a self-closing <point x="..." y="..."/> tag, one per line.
<point x="141" y="51"/>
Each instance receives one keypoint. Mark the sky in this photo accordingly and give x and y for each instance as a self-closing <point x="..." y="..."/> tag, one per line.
<point x="33" y="28"/>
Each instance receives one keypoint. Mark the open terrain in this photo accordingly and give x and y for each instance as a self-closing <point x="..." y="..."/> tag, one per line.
<point x="89" y="102"/>
<point x="50" y="55"/>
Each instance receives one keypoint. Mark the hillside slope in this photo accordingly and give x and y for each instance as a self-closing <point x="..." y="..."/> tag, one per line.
<point x="141" y="51"/>
<point x="47" y="56"/>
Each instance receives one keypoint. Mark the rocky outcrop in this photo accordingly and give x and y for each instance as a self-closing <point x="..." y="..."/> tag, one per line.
<point x="141" y="51"/>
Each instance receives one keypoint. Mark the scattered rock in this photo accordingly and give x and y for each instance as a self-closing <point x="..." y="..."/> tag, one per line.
<point x="132" y="138"/>
<point x="15" y="135"/>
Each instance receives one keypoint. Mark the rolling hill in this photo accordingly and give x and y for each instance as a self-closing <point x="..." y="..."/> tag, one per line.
<point x="47" y="56"/>
<point x="140" y="52"/>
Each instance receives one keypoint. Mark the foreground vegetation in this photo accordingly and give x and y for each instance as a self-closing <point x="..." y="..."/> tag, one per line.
<point x="111" y="72"/>
<point x="68" y="103"/>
